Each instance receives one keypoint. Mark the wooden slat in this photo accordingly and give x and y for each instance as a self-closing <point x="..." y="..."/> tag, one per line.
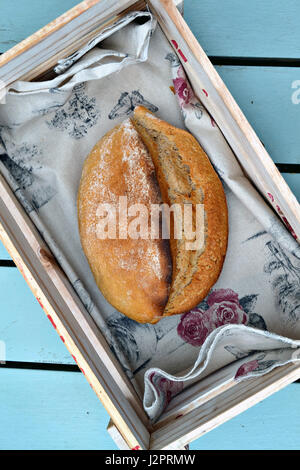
<point x="254" y="28"/>
<point x="225" y="406"/>
<point x="50" y="410"/>
<point x="265" y="96"/>
<point x="25" y="329"/>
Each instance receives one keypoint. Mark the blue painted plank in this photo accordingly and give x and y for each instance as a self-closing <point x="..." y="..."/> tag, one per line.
<point x="253" y="28"/>
<point x="3" y="252"/>
<point x="269" y="102"/>
<point x="26" y="331"/>
<point x="273" y="424"/>
<point x="50" y="410"/>
<point x="21" y="18"/>
<point x="293" y="180"/>
<point x="223" y="27"/>
<point x="58" y="410"/>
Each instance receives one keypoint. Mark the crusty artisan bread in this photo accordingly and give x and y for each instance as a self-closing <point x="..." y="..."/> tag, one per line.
<point x="185" y="175"/>
<point x="133" y="275"/>
<point x="150" y="161"/>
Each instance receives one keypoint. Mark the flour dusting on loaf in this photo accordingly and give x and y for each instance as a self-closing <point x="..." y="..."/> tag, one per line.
<point x="133" y="274"/>
<point x="151" y="162"/>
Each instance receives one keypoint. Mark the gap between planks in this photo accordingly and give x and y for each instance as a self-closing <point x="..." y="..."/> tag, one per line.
<point x="39" y="366"/>
<point x="255" y="61"/>
<point x="249" y="61"/>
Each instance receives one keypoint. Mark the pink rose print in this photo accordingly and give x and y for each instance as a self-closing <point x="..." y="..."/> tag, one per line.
<point x="224" y="308"/>
<point x="246" y="368"/>
<point x="219" y="295"/>
<point x="225" y="313"/>
<point x="182" y="87"/>
<point x="182" y="90"/>
<point x="166" y="386"/>
<point x="194" y="327"/>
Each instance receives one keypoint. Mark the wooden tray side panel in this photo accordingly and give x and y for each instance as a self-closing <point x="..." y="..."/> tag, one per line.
<point x="223" y="407"/>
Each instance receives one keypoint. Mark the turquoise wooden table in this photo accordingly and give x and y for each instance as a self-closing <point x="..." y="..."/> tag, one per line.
<point x="45" y="403"/>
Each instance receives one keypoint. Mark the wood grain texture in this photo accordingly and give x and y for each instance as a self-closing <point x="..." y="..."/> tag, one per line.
<point x="252" y="28"/>
<point x="24" y="327"/>
<point x="50" y="410"/>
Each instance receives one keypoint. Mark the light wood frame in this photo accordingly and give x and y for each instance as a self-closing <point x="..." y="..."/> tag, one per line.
<point x="213" y="400"/>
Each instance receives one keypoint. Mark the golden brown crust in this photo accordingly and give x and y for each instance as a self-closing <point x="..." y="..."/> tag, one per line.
<point x="194" y="181"/>
<point x="150" y="161"/>
<point x="133" y="274"/>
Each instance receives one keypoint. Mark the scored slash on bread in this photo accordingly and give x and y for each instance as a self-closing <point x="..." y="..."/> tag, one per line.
<point x="186" y="176"/>
<point x="150" y="162"/>
<point x="134" y="275"/>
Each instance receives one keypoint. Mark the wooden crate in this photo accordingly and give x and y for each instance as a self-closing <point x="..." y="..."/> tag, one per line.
<point x="212" y="401"/>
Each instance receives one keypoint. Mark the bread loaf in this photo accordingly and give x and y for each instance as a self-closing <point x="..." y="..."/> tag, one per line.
<point x="150" y="162"/>
<point x="133" y="275"/>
